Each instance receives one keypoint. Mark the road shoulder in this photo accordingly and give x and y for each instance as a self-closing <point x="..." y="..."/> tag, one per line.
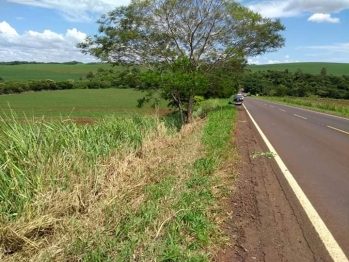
<point x="263" y="224"/>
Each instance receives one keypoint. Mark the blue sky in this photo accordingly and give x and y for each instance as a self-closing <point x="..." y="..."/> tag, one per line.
<point x="48" y="30"/>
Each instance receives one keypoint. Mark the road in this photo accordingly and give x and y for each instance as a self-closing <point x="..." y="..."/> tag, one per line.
<point x="315" y="148"/>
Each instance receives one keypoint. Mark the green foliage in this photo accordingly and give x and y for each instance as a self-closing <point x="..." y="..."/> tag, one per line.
<point x="298" y="84"/>
<point x="178" y="84"/>
<point x="187" y="46"/>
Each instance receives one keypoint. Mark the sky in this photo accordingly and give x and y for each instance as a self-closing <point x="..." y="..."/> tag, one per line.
<point x="48" y="30"/>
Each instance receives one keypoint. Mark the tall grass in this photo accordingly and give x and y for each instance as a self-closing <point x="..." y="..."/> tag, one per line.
<point x="37" y="154"/>
<point x="122" y="189"/>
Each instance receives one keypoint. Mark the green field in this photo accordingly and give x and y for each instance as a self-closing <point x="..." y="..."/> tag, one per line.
<point x="74" y="103"/>
<point x="337" y="69"/>
<point x="57" y="72"/>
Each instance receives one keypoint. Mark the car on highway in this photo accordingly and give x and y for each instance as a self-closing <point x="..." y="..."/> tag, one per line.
<point x="238" y="99"/>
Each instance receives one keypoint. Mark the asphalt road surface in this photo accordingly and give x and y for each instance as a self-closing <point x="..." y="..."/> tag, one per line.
<point x="315" y="148"/>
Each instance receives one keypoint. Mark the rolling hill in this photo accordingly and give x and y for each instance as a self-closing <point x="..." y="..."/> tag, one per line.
<point x="337" y="69"/>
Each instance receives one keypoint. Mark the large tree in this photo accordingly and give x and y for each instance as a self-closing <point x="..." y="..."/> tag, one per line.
<point x="182" y="40"/>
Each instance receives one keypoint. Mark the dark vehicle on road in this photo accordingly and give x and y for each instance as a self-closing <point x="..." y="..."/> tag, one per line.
<point x="238" y="99"/>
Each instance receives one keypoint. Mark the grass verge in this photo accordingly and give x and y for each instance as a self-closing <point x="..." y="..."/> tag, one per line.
<point x="331" y="106"/>
<point x="155" y="196"/>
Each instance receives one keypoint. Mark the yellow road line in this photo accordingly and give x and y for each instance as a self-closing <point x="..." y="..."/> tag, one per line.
<point x="300" y="116"/>
<point x="340" y="130"/>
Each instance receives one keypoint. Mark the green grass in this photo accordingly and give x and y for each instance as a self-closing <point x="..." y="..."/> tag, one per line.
<point x="74" y="103"/>
<point x="337" y="69"/>
<point x="333" y="106"/>
<point x="118" y="190"/>
<point x="32" y="149"/>
<point x="57" y="72"/>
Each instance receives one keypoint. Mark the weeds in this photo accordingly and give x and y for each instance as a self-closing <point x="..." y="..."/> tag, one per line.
<point x="262" y="154"/>
<point x="119" y="190"/>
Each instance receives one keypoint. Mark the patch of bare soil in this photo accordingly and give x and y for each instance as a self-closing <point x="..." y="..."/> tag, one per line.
<point x="263" y="225"/>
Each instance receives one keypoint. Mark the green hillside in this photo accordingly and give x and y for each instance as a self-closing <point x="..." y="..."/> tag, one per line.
<point x="57" y="72"/>
<point x="60" y="72"/>
<point x="337" y="69"/>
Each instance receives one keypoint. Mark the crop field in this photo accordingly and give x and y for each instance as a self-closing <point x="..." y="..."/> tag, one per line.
<point x="337" y="69"/>
<point x="77" y="103"/>
<point x="60" y="72"/>
<point x="57" y="72"/>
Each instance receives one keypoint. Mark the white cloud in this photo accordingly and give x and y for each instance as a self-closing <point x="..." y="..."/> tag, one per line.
<point x="272" y="9"/>
<point x="76" y="10"/>
<point x="266" y="60"/>
<point x="274" y="62"/>
<point x="321" y="18"/>
<point x="6" y="29"/>
<point x="318" y="6"/>
<point x="253" y="62"/>
<point x="46" y="46"/>
<point x="335" y="48"/>
<point x="289" y="8"/>
<point x="338" y="52"/>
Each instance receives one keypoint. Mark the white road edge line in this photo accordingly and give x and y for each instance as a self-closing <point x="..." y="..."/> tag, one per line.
<point x="325" y="235"/>
<point x="340" y="130"/>
<point x="301" y="108"/>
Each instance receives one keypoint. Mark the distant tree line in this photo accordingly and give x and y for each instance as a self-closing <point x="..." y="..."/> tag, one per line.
<point x="103" y="78"/>
<point x="222" y="83"/>
<point x="297" y="84"/>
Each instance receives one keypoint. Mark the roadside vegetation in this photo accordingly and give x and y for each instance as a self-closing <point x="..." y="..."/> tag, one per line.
<point x="332" y="106"/>
<point x="118" y="190"/>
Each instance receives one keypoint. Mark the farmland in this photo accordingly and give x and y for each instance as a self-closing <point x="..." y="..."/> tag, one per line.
<point x="57" y="72"/>
<point x="74" y="103"/>
<point x="61" y="72"/>
<point x="337" y="69"/>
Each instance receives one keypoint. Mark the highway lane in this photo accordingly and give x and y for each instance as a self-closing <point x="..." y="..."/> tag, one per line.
<point x="315" y="148"/>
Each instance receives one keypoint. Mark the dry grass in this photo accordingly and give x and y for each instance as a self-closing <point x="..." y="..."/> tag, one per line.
<point x="95" y="205"/>
<point x="156" y="203"/>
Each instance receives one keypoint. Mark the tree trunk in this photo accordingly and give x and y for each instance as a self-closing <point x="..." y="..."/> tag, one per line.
<point x="190" y="109"/>
<point x="181" y="111"/>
